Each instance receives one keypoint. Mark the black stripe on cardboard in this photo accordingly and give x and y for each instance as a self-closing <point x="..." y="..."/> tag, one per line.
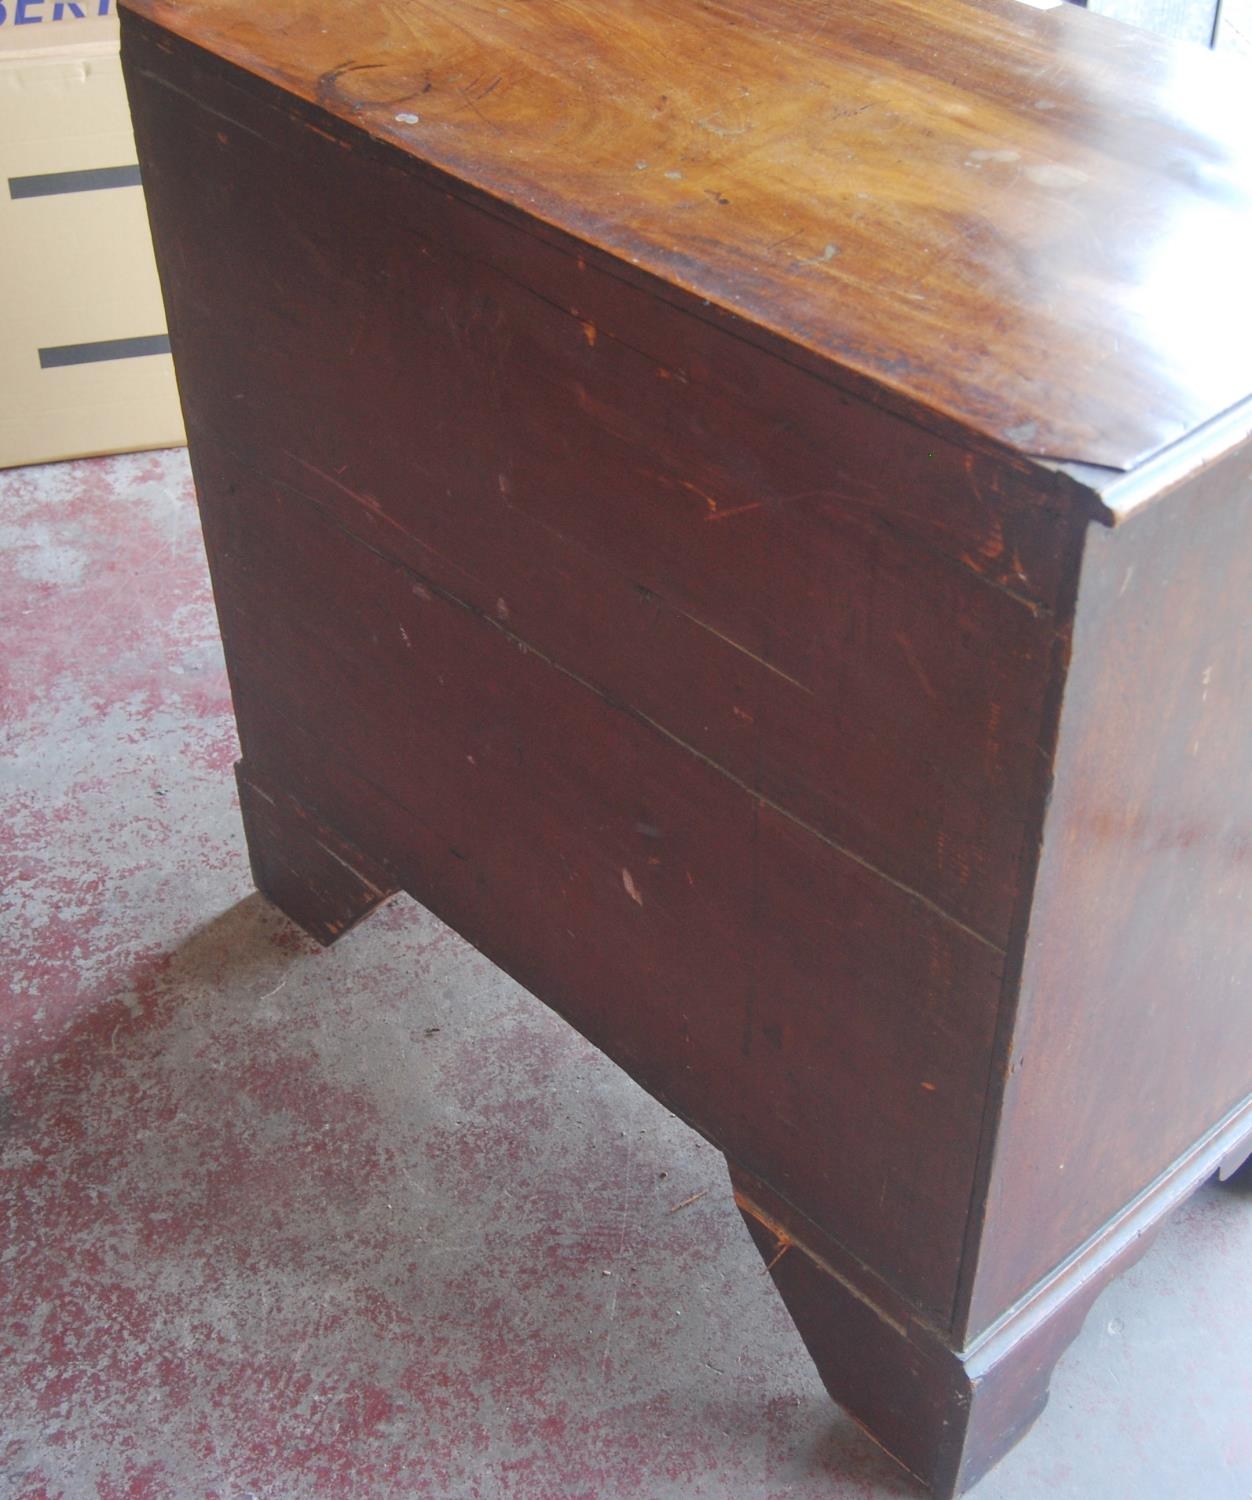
<point x="90" y="180"/>
<point x="90" y="354"/>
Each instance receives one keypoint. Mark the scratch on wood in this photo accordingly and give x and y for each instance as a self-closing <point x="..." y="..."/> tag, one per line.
<point x="473" y="104"/>
<point x="738" y="510"/>
<point x="351" y="869"/>
<point x="694" y="489"/>
<point x="778" y="502"/>
<point x="360" y="496"/>
<point x="369" y="503"/>
<point x="910" y="656"/>
<point x="742" y="649"/>
<point x="746" y="1206"/>
<point x="722" y="130"/>
<point x="783" y="1246"/>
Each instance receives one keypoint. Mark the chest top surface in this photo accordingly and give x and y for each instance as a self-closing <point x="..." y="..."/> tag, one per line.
<point x="1034" y="224"/>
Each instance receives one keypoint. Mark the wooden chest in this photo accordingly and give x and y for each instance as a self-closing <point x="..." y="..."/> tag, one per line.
<point x="743" y="508"/>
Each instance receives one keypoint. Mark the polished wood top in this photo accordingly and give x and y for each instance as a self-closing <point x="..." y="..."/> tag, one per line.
<point x="1034" y="224"/>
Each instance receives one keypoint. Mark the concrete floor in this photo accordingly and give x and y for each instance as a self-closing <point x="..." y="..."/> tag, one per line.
<point x="372" y="1222"/>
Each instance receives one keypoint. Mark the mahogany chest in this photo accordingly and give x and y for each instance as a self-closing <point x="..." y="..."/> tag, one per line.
<point x="744" y="508"/>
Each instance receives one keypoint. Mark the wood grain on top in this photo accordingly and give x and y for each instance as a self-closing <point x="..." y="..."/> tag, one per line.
<point x="1034" y="224"/>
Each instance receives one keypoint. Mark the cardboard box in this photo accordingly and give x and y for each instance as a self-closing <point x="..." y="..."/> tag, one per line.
<point x="84" y="357"/>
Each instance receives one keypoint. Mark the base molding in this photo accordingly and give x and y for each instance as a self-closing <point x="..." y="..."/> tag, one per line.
<point x="1117" y="1243"/>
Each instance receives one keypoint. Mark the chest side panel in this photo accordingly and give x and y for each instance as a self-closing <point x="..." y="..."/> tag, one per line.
<point x="700" y="696"/>
<point x="1135" y="1036"/>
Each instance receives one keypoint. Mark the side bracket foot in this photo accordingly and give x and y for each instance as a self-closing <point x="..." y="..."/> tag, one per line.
<point x="946" y="1414"/>
<point x="306" y="869"/>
